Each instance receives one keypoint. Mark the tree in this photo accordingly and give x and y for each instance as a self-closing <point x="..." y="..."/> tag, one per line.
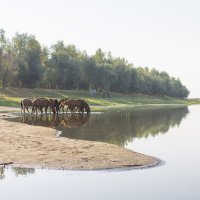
<point x="89" y="73"/>
<point x="99" y="56"/>
<point x="63" y="66"/>
<point x="122" y="72"/>
<point x="23" y="63"/>
<point x="29" y="59"/>
<point x="7" y="61"/>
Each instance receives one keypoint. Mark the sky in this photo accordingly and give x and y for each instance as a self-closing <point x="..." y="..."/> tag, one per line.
<point x="160" y="34"/>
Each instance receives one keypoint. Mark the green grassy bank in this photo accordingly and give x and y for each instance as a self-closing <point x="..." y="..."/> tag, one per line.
<point x="12" y="96"/>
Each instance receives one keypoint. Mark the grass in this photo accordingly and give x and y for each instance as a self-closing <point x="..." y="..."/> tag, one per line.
<point x="12" y="96"/>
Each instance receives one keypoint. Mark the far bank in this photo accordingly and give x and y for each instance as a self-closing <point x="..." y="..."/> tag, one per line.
<point x="12" y="96"/>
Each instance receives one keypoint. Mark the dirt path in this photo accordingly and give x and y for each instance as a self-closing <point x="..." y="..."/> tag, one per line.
<point x="26" y="145"/>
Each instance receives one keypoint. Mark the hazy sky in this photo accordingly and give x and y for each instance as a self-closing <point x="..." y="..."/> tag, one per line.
<point x="164" y="34"/>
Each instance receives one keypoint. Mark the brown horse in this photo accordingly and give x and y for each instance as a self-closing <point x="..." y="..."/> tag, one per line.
<point x="72" y="104"/>
<point x="62" y="103"/>
<point x="25" y="103"/>
<point x="41" y="103"/>
<point x="77" y="104"/>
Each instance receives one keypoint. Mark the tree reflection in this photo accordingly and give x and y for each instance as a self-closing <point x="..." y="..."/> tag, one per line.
<point x="17" y="171"/>
<point x="2" y="173"/>
<point x="112" y="127"/>
<point x="22" y="171"/>
<point x="121" y="127"/>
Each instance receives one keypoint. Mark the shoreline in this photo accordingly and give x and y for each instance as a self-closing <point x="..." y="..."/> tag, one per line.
<point x="38" y="147"/>
<point x="158" y="163"/>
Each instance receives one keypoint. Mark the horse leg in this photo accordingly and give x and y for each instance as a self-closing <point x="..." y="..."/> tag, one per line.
<point x="46" y="109"/>
<point x="36" y="110"/>
<point x="27" y="109"/>
<point x="32" y="110"/>
<point x="72" y="109"/>
<point x="58" y="109"/>
<point x="82" y="110"/>
<point x="67" y="109"/>
<point x="75" y="109"/>
<point x="63" y="108"/>
<point x="21" y="107"/>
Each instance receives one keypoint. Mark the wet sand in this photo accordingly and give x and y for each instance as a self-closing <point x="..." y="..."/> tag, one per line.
<point x="26" y="145"/>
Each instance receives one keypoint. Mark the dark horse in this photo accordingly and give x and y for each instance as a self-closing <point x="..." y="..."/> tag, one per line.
<point x="25" y="103"/>
<point x="41" y="103"/>
<point x="85" y="105"/>
<point x="55" y="104"/>
<point x="77" y="104"/>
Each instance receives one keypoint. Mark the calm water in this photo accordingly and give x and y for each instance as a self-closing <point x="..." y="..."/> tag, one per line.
<point x="172" y="135"/>
<point x="119" y="127"/>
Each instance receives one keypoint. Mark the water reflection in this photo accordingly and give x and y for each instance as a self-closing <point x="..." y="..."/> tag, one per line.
<point x="18" y="171"/>
<point x="2" y="173"/>
<point x="113" y="127"/>
<point x="121" y="127"/>
<point x="22" y="171"/>
<point x="53" y="121"/>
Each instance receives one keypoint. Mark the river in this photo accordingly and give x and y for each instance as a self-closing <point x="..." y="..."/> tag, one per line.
<point x="171" y="134"/>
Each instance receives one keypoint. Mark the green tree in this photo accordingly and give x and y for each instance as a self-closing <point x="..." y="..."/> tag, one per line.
<point x="7" y="61"/>
<point x="29" y="60"/>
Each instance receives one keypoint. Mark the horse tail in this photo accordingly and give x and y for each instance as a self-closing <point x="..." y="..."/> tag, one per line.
<point x="21" y="103"/>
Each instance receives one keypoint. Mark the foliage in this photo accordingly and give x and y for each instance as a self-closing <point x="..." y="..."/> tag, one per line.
<point x="25" y="63"/>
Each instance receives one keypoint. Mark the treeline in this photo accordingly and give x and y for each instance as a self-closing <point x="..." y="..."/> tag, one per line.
<point x="25" y="63"/>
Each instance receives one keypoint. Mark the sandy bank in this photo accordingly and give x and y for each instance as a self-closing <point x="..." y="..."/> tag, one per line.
<point x="38" y="146"/>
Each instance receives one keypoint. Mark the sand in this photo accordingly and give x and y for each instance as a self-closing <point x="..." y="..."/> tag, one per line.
<point x="26" y="145"/>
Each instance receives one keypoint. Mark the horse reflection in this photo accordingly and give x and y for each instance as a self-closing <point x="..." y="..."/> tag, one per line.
<point x="53" y="121"/>
<point x="74" y="120"/>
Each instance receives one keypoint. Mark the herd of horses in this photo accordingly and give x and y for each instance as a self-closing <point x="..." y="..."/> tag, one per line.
<point x="73" y="105"/>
